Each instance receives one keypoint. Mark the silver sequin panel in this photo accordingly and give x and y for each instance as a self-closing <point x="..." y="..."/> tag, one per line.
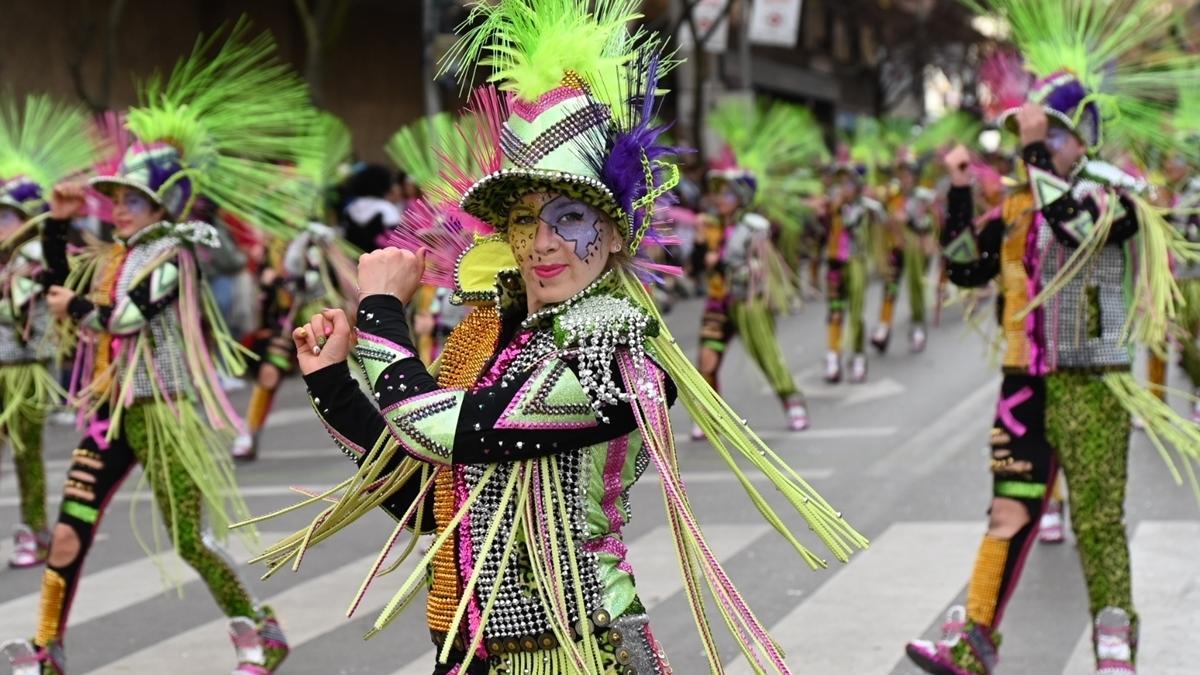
<point x="164" y="328"/>
<point x="1069" y="314"/>
<point x="518" y="610"/>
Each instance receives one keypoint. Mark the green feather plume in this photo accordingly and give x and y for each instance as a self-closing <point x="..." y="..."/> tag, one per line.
<point x="530" y="45"/>
<point x="782" y="145"/>
<point x="237" y="114"/>
<point x="956" y="127"/>
<point x="422" y="148"/>
<point x="323" y="171"/>
<point x="44" y="141"/>
<point x="1123" y="51"/>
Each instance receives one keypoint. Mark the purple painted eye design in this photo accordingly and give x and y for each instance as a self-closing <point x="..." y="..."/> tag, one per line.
<point x="134" y="202"/>
<point x="574" y="222"/>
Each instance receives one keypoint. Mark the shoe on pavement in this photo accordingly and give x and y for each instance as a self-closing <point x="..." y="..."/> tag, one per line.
<point x="797" y="412"/>
<point x="1196" y="412"/>
<point x="916" y="339"/>
<point x="1114" y="642"/>
<point x="29" y="548"/>
<point x="880" y="338"/>
<point x="245" y="448"/>
<point x="27" y="658"/>
<point x="833" y="367"/>
<point x="697" y="433"/>
<point x="1050" y="529"/>
<point x="858" y="369"/>
<point x="260" y="645"/>
<point x="965" y="648"/>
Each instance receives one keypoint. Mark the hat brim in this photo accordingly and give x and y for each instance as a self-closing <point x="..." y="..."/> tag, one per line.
<point x="107" y="186"/>
<point x="491" y="198"/>
<point x="1008" y="120"/>
<point x="9" y="203"/>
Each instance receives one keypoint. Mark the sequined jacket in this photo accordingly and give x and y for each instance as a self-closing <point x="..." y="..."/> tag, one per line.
<point x="1025" y="244"/>
<point x="135" y="290"/>
<point x="24" y="319"/>
<point x="553" y="389"/>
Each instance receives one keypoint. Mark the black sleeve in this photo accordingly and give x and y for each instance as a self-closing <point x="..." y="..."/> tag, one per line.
<point x="1066" y="208"/>
<point x="356" y="425"/>
<point x="960" y="222"/>
<point x="477" y="438"/>
<point x="54" y="252"/>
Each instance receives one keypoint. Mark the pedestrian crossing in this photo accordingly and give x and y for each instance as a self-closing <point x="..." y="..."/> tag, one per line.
<point x="855" y="621"/>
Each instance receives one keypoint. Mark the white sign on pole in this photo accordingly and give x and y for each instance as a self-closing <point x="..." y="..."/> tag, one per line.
<point x="775" y="22"/>
<point x="705" y="14"/>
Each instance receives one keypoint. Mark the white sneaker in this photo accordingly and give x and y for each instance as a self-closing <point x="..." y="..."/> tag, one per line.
<point x="916" y="339"/>
<point x="833" y="367"/>
<point x="797" y="413"/>
<point x="1050" y="528"/>
<point x="1114" y="642"/>
<point x="858" y="368"/>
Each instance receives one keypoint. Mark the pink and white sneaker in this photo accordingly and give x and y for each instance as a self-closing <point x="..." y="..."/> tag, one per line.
<point x="1114" y="642"/>
<point x="27" y="658"/>
<point x="916" y="339"/>
<point x="1196" y="412"/>
<point x="797" y="412"/>
<point x="1050" y="529"/>
<point x="29" y="548"/>
<point x="833" y="367"/>
<point x="858" y="368"/>
<point x="964" y="649"/>
<point x="697" y="433"/>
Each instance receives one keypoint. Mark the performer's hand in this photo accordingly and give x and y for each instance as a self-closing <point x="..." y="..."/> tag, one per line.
<point x="67" y="200"/>
<point x="57" y="299"/>
<point x="323" y="341"/>
<point x="1033" y="124"/>
<point x="958" y="165"/>
<point x="390" y="271"/>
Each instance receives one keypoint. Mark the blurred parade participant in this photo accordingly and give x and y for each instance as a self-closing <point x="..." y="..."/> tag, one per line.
<point x="151" y="342"/>
<point x="309" y="271"/>
<point x="40" y="144"/>
<point x="1061" y="245"/>
<point x="553" y="397"/>
<point x="748" y="282"/>
<point x="372" y="208"/>
<point x="847" y="256"/>
<point x="909" y="225"/>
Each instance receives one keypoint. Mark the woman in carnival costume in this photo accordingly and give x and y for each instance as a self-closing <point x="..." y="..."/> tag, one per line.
<point x="851" y="214"/>
<point x="755" y="183"/>
<point x="151" y="342"/>
<point x="303" y="272"/>
<point x="39" y="145"/>
<point x="552" y="397"/>
<point x="1060" y="246"/>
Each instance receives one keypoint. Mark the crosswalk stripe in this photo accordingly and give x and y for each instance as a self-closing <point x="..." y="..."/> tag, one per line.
<point x="307" y="610"/>
<point x="895" y="587"/>
<point x="1166" y="593"/>
<point x="653" y="558"/>
<point x="251" y="491"/>
<point x="935" y="443"/>
<point x="115" y="589"/>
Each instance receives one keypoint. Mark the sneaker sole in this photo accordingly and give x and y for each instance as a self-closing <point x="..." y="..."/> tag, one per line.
<point x="922" y="661"/>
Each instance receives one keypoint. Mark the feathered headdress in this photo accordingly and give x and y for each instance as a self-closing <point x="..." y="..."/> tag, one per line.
<point x="226" y="123"/>
<point x="1099" y="64"/>
<point x="41" y="143"/>
<point x="770" y="149"/>
<point x="581" y="102"/>
<point x="321" y="171"/>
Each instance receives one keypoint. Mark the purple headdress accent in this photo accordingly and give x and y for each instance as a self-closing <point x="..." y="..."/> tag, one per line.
<point x="636" y="151"/>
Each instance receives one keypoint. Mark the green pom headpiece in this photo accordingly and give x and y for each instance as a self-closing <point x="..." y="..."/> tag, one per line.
<point x="41" y="143"/>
